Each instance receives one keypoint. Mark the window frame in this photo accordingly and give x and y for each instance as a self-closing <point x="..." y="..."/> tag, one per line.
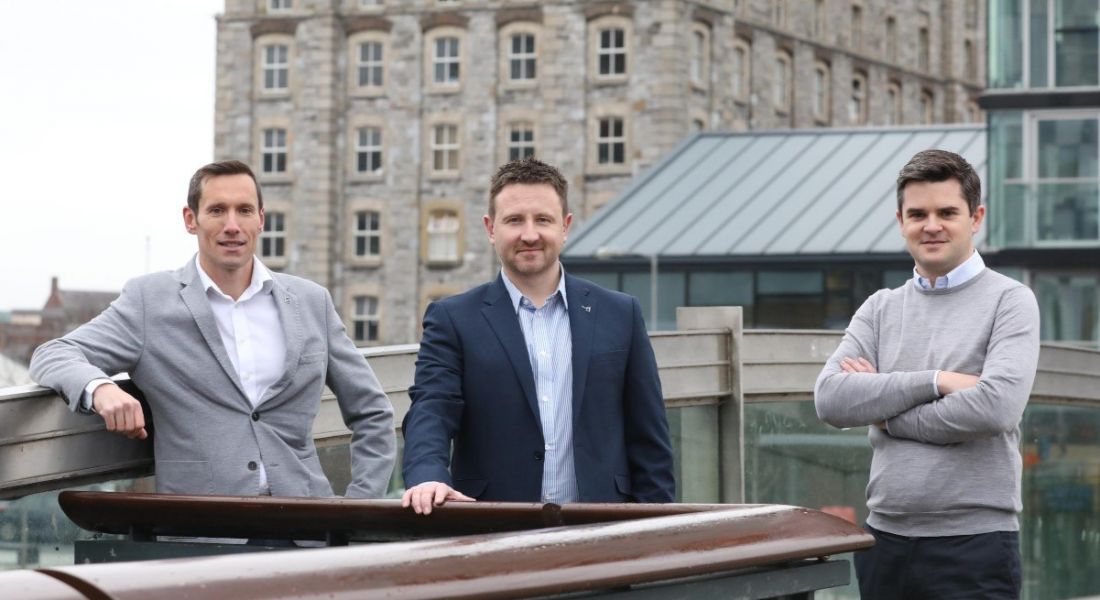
<point x="435" y="209"/>
<point x="448" y="148"/>
<point x="858" y="93"/>
<point x="820" y="105"/>
<point x="366" y="234"/>
<point x="784" y="64"/>
<point x="276" y="148"/>
<point x="520" y="146"/>
<point x="742" y="90"/>
<point x="432" y="59"/>
<point x="262" y="44"/>
<point x="356" y="63"/>
<point x="273" y="240"/>
<point x="507" y="34"/>
<point x="699" y="49"/>
<point x="366" y="319"/>
<point x="367" y="150"/>
<point x="596" y="28"/>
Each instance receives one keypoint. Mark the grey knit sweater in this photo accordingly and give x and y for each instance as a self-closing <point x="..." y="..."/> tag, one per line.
<point x="948" y="465"/>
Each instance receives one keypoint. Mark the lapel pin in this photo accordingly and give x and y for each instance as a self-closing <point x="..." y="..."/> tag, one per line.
<point x="286" y="299"/>
<point x="586" y="308"/>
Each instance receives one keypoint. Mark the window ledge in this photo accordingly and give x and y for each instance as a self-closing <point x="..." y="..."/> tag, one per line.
<point x="445" y="176"/>
<point x="365" y="261"/>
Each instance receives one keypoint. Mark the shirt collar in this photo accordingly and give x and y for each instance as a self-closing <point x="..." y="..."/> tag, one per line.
<point x="958" y="276"/>
<point x="517" y="296"/>
<point x="261" y="280"/>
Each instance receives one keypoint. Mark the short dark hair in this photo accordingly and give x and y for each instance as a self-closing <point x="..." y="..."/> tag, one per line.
<point x="934" y="166"/>
<point x="217" y="169"/>
<point x="528" y="170"/>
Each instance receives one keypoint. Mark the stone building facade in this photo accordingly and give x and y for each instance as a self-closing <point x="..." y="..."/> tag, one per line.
<point x="375" y="125"/>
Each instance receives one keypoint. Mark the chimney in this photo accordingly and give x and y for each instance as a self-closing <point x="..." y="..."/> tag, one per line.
<point x="53" y="285"/>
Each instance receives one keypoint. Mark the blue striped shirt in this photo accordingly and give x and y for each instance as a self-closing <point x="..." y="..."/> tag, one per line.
<point x="550" y="349"/>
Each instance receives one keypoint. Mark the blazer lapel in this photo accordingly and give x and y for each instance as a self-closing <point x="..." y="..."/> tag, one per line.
<point x="582" y="322"/>
<point x="291" y="319"/>
<point x="502" y="319"/>
<point x="194" y="296"/>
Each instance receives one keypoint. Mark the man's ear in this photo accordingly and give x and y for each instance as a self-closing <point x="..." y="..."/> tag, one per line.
<point x="976" y="219"/>
<point x="901" y="220"/>
<point x="488" y="222"/>
<point x="190" y="220"/>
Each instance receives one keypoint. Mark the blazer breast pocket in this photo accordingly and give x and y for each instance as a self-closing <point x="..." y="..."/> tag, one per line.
<point x="612" y="356"/>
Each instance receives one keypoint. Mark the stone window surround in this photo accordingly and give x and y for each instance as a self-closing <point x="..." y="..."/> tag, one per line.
<point x="621" y="111"/>
<point x="890" y="39"/>
<point x="743" y="90"/>
<point x="821" y="113"/>
<point x="927" y="106"/>
<point x="438" y="205"/>
<point x="261" y="44"/>
<point x="271" y="209"/>
<point x="354" y="42"/>
<point x="430" y="293"/>
<point x="595" y="27"/>
<point x="700" y="80"/>
<point x="857" y="18"/>
<point x="505" y="36"/>
<point x="858" y="92"/>
<point x="894" y="110"/>
<point x="354" y="125"/>
<point x="273" y="122"/>
<point x="430" y="124"/>
<point x="509" y="117"/>
<point x="367" y="290"/>
<point x="784" y="63"/>
<point x="353" y="208"/>
<point x="430" y="37"/>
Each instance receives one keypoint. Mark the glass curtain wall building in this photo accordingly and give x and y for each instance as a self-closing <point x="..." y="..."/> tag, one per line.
<point x="1043" y="104"/>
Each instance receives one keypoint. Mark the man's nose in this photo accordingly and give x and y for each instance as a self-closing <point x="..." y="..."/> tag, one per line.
<point x="932" y="224"/>
<point x="231" y="224"/>
<point x="529" y="233"/>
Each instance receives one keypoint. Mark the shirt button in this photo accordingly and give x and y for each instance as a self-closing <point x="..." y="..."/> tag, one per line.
<point x="255" y="416"/>
<point x="546" y="398"/>
<point x="252" y="466"/>
<point x="247" y="376"/>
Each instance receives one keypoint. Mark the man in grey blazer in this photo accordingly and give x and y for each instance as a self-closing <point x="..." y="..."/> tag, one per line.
<point x="232" y="360"/>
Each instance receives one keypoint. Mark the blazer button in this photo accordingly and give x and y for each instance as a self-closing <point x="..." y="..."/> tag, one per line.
<point x="538" y="455"/>
<point x="252" y="465"/>
<point x="255" y="416"/>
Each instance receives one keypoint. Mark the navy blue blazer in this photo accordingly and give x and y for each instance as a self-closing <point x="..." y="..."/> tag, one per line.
<point x="474" y="385"/>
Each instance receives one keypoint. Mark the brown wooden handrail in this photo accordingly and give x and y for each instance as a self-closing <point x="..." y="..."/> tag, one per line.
<point x="573" y="548"/>
<point x="146" y="515"/>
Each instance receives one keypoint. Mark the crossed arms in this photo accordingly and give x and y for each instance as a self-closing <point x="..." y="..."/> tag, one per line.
<point x="851" y="393"/>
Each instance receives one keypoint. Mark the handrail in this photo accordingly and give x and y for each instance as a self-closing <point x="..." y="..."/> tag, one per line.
<point x="601" y="550"/>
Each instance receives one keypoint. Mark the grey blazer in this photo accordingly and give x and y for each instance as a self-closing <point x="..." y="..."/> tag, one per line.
<point x="208" y="440"/>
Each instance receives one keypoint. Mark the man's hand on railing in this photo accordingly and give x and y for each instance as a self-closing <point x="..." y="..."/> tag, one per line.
<point x="120" y="411"/>
<point x="431" y="493"/>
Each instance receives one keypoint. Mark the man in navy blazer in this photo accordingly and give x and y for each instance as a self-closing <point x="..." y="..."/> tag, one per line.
<point x="546" y="384"/>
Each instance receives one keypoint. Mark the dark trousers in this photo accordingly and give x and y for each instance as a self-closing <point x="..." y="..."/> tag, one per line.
<point x="979" y="566"/>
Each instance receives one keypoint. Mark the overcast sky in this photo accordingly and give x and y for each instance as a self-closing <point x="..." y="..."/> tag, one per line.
<point x="106" y="108"/>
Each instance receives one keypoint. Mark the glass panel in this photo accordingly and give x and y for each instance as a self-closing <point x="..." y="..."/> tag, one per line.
<point x="1075" y="42"/>
<point x="793" y="458"/>
<point x="1060" y="528"/>
<point x="694" y="434"/>
<point x="1012" y="227"/>
<point x="600" y="278"/>
<point x="1067" y="148"/>
<point x="720" y="289"/>
<point x="1069" y="307"/>
<point x="1038" y="38"/>
<point x="790" y="282"/>
<point x="35" y="533"/>
<point x="1006" y="44"/>
<point x="1067" y="211"/>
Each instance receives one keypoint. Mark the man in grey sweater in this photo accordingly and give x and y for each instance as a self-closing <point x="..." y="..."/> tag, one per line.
<point x="940" y="369"/>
